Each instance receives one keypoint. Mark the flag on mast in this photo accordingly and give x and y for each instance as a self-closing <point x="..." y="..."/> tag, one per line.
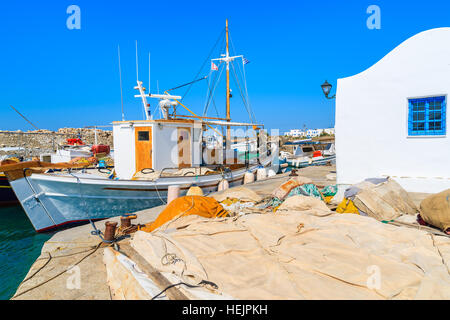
<point x="214" y="67"/>
<point x="245" y="60"/>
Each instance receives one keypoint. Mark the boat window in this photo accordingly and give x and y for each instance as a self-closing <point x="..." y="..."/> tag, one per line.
<point x="426" y="116"/>
<point x="143" y="136"/>
<point x="307" y="149"/>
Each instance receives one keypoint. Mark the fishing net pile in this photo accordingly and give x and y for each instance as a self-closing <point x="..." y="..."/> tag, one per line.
<point x="300" y="255"/>
<point x="295" y="249"/>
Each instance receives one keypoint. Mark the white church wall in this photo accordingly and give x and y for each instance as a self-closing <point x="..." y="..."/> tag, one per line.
<point x="372" y="117"/>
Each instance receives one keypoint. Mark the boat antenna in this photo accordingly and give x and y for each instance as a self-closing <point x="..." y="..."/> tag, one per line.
<point x="120" y="77"/>
<point x="149" y="90"/>
<point x="24" y="117"/>
<point x="146" y="112"/>
<point x="137" y="65"/>
<point x="228" y="115"/>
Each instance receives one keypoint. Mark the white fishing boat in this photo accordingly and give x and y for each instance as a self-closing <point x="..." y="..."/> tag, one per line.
<point x="149" y="156"/>
<point x="306" y="154"/>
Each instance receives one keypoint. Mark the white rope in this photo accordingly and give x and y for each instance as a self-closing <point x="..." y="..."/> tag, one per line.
<point x="241" y="93"/>
<point x="207" y="92"/>
<point x="246" y="91"/>
<point x="215" y="86"/>
<point x="249" y="108"/>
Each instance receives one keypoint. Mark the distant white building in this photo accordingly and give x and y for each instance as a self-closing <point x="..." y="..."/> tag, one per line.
<point x="391" y="119"/>
<point x="314" y="132"/>
<point x="297" y="133"/>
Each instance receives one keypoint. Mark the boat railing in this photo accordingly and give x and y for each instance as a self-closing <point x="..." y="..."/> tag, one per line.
<point x="194" y="171"/>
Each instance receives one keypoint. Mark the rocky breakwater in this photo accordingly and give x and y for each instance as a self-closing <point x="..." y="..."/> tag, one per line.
<point x="34" y="143"/>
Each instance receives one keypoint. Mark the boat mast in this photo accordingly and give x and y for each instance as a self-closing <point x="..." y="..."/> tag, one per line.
<point x="228" y="141"/>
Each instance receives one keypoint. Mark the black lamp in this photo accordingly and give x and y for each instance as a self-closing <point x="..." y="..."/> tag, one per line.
<point x="326" y="88"/>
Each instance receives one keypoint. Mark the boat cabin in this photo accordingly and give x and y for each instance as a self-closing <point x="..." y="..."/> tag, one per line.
<point x="165" y="144"/>
<point x="156" y="144"/>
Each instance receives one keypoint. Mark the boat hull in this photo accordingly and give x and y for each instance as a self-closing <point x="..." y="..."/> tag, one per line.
<point x="55" y="201"/>
<point x="301" y="163"/>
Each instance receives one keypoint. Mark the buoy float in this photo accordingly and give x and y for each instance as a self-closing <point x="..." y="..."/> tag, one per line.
<point x="261" y="173"/>
<point x="195" y="190"/>
<point x="249" y="177"/>
<point x="173" y="192"/>
<point x="223" y="185"/>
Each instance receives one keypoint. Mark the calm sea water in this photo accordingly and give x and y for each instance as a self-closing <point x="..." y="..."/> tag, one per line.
<point x="20" y="245"/>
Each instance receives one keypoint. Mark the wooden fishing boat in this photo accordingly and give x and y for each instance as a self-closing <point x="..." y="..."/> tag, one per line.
<point x="149" y="157"/>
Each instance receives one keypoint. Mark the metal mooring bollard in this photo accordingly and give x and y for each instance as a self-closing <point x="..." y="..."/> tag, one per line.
<point x="110" y="230"/>
<point x="125" y="220"/>
<point x="293" y="173"/>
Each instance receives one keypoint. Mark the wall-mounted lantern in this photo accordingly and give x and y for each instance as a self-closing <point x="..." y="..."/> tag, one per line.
<point x="326" y="88"/>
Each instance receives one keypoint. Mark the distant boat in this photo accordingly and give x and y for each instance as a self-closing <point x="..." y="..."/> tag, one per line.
<point x="314" y="161"/>
<point x="149" y="157"/>
<point x="305" y="154"/>
<point x="64" y="154"/>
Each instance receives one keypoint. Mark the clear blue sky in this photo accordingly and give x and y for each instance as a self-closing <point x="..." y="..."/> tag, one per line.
<point x="69" y="78"/>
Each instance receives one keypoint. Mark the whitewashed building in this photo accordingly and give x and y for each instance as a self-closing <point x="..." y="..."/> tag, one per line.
<point x="296" y="133"/>
<point x="392" y="119"/>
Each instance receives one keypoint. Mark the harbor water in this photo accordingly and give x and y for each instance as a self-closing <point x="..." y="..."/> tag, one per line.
<point x="20" y="245"/>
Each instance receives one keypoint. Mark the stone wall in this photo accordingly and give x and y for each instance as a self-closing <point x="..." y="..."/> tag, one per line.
<point x="43" y="141"/>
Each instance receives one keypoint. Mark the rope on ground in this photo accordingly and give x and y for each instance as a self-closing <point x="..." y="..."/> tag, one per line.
<point x="174" y="285"/>
<point x="67" y="255"/>
<point x="56" y="276"/>
<point x="37" y="271"/>
<point x="202" y="283"/>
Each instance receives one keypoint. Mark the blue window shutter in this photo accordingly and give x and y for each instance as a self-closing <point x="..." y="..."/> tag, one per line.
<point x="415" y="121"/>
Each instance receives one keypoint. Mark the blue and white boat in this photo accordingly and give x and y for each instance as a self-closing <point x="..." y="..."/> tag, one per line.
<point x="305" y="155"/>
<point x="149" y="157"/>
<point x="53" y="200"/>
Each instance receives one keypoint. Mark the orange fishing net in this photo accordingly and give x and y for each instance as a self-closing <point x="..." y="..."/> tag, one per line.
<point x="184" y="206"/>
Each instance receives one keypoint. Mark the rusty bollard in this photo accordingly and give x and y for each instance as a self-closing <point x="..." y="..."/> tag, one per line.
<point x="110" y="230"/>
<point x="293" y="173"/>
<point x="125" y="220"/>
